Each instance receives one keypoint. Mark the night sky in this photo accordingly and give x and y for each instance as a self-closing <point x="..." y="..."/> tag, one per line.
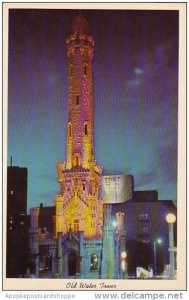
<point x="135" y="89"/>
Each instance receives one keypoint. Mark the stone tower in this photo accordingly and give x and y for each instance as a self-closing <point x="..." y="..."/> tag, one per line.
<point x="79" y="207"/>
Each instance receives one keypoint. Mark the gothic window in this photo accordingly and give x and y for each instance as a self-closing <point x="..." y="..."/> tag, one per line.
<point x="90" y="187"/>
<point x="85" y="70"/>
<point x="77" y="160"/>
<point x="71" y="70"/>
<point x="70" y="130"/>
<point x="72" y="263"/>
<point x="77" y="99"/>
<point x="76" y="225"/>
<point x="83" y="187"/>
<point x="94" y="262"/>
<point x="86" y="129"/>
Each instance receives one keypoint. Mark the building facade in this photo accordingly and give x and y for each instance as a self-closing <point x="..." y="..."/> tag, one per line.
<point x="147" y="240"/>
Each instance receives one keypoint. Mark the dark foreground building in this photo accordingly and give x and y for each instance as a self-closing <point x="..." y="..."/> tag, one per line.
<point x="147" y="239"/>
<point x="17" y="222"/>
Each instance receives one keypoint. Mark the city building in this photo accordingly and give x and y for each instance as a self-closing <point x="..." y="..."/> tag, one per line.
<point x="17" y="222"/>
<point x="147" y="240"/>
<point x="95" y="217"/>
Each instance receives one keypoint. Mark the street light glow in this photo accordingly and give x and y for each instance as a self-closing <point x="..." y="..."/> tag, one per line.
<point x="159" y="241"/>
<point x="123" y="254"/>
<point x="170" y="218"/>
<point x="114" y="223"/>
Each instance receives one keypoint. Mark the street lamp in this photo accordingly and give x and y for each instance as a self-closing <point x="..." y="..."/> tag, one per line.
<point x="114" y="224"/>
<point x="121" y="254"/>
<point x="171" y="218"/>
<point x="123" y="263"/>
<point x="157" y="241"/>
<point x="116" y="249"/>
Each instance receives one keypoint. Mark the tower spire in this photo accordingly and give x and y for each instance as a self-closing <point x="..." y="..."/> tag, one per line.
<point x="80" y="24"/>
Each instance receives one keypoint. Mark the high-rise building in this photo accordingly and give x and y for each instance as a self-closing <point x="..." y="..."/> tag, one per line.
<point x="17" y="222"/>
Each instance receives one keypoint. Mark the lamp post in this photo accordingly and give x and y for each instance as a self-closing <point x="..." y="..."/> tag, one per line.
<point x="157" y="241"/>
<point x="120" y="253"/>
<point x="123" y="263"/>
<point x="170" y="218"/>
<point x="116" y="250"/>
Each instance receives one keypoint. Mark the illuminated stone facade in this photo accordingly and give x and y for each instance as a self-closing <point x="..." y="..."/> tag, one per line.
<point x="79" y="206"/>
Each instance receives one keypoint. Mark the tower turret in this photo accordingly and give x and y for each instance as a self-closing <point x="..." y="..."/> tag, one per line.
<point x="80" y="103"/>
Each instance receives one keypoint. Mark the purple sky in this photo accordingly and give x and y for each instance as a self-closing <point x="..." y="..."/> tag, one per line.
<point x="135" y="89"/>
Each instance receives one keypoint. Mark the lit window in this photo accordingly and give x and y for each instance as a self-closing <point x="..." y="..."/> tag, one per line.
<point x="94" y="262"/>
<point x="143" y="217"/>
<point x="10" y="221"/>
<point x="21" y="223"/>
<point x="145" y="241"/>
<point x="10" y="228"/>
<point x="143" y="230"/>
<point x="12" y="192"/>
